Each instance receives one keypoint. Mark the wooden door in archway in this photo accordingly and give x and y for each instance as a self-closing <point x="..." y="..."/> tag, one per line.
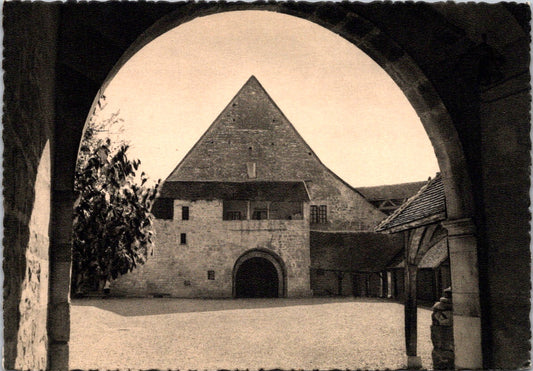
<point x="256" y="278"/>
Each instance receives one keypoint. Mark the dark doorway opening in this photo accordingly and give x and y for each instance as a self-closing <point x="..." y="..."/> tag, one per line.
<point x="257" y="278"/>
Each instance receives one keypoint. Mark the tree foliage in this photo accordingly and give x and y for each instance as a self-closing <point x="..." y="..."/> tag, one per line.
<point x="112" y="221"/>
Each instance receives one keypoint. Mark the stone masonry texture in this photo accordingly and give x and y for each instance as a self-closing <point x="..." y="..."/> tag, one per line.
<point x="253" y="129"/>
<point x="180" y="270"/>
<point x="28" y="123"/>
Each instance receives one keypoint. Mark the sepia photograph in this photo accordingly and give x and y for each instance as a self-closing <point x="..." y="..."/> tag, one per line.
<point x="266" y="185"/>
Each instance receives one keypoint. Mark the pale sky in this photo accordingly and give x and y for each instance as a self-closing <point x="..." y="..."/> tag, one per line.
<point x="343" y="104"/>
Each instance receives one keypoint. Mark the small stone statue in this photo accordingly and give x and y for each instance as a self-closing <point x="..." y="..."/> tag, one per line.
<point x="442" y="332"/>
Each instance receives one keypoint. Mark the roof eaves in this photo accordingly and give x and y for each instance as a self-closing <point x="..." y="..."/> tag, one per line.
<point x="415" y="224"/>
<point x="383" y="226"/>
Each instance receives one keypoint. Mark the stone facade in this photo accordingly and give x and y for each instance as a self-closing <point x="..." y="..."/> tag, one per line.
<point x="213" y="244"/>
<point x="251" y="142"/>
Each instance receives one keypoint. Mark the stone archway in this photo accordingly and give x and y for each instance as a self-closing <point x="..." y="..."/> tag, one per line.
<point x="259" y="273"/>
<point x="441" y="131"/>
<point x="78" y="45"/>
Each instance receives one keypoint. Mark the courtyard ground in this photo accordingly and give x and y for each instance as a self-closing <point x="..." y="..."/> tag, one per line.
<point x="313" y="333"/>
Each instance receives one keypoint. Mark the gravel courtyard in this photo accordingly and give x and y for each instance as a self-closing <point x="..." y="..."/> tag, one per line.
<point x="314" y="333"/>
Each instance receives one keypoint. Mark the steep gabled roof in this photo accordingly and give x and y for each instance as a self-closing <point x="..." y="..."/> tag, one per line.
<point x="428" y="205"/>
<point x="391" y="191"/>
<point x="251" y="128"/>
<point x="252" y="140"/>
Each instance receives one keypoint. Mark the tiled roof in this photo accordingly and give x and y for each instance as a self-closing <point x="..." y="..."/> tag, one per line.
<point x="436" y="255"/>
<point x="390" y="192"/>
<point x="251" y="139"/>
<point x="427" y="205"/>
<point x="260" y="190"/>
<point x="250" y="129"/>
<point x="356" y="251"/>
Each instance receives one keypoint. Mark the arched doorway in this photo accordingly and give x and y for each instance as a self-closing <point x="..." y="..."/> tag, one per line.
<point x="256" y="278"/>
<point x="259" y="273"/>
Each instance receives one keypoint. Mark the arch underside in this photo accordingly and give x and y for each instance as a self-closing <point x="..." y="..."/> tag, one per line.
<point x="424" y="98"/>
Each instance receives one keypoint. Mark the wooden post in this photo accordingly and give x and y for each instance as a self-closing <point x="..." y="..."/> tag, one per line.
<point x="413" y="362"/>
<point x="384" y="284"/>
<point x="340" y="276"/>
<point x="410" y="310"/>
<point x="410" y="306"/>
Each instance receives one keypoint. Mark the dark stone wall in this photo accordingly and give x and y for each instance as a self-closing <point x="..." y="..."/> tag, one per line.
<point x="506" y="160"/>
<point x="29" y="70"/>
<point x="351" y="253"/>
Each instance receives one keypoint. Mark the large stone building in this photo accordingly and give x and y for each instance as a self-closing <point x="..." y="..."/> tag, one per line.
<point x="234" y="217"/>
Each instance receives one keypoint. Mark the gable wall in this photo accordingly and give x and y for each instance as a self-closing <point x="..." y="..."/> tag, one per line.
<point x="253" y="129"/>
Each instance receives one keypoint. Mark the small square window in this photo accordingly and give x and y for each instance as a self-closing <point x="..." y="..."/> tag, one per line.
<point x="323" y="214"/>
<point x="185" y="213"/>
<point x="314" y="214"/>
<point x="319" y="214"/>
<point x="183" y="238"/>
<point x="211" y="275"/>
